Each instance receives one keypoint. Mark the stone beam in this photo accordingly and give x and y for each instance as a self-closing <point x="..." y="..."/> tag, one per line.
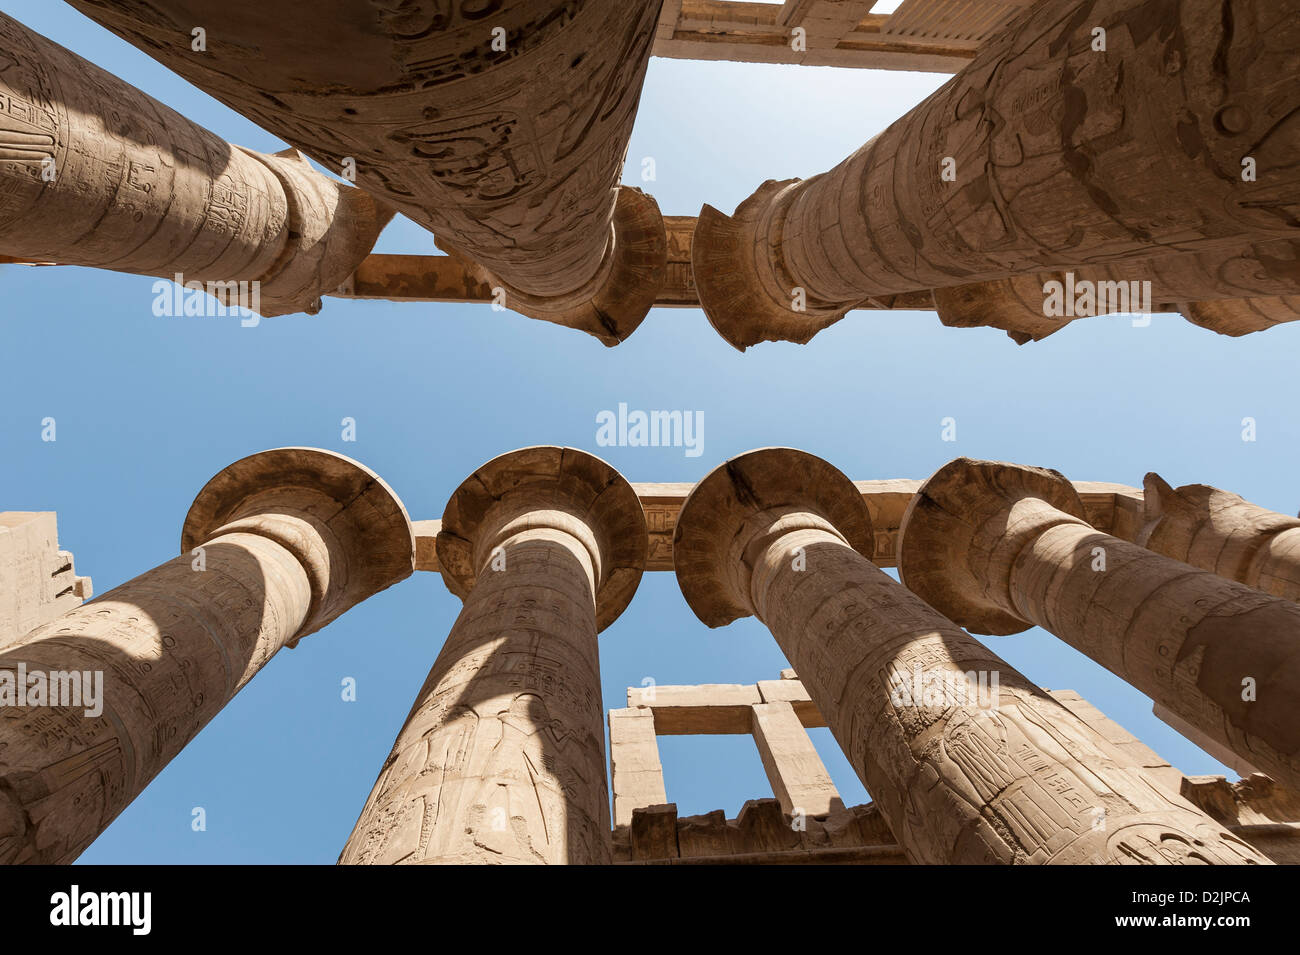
<point x="1045" y="153"/>
<point x="836" y="33"/>
<point x="98" y="174"/>
<point x="636" y="775"/>
<point x="37" y="580"/>
<point x="502" y="128"/>
<point x="798" y="776"/>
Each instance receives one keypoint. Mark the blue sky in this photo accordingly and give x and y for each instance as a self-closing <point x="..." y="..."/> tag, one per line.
<point x="149" y="408"/>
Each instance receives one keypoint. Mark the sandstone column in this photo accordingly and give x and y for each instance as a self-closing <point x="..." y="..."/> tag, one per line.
<point x="93" y="172"/>
<point x="502" y="758"/>
<point x="1043" y="153"/>
<point x="275" y="547"/>
<point x="1218" y="531"/>
<point x="1000" y="548"/>
<point x="1232" y="292"/>
<point x="499" y="125"/>
<point x="1008" y="777"/>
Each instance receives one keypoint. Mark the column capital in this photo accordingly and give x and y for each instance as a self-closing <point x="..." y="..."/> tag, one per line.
<point x="1173" y="519"/>
<point x="745" y="288"/>
<point x="562" y="489"/>
<point x="750" y="495"/>
<point x="613" y="303"/>
<point x="345" y="525"/>
<point x="966" y="525"/>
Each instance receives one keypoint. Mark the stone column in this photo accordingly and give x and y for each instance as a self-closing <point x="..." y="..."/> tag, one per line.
<point x="502" y="758"/>
<point x="275" y="547"/>
<point x="1043" y="153"/>
<point x="93" y="172"/>
<point x="1000" y="548"/>
<point x="1232" y="292"/>
<point x="499" y="125"/>
<point x="1005" y="774"/>
<point x="1220" y="532"/>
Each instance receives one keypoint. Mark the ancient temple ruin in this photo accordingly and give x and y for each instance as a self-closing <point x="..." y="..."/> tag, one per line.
<point x="1088" y="157"/>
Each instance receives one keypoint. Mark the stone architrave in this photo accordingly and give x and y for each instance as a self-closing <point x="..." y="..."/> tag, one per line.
<point x="1000" y="548"/>
<point x="502" y="758"/>
<point x="501" y="126"/>
<point x="274" y="548"/>
<point x="1080" y="134"/>
<point x="968" y="761"/>
<point x="93" y="172"/>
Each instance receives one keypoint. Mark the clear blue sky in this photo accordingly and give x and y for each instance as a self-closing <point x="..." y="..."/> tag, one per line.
<point x="149" y="408"/>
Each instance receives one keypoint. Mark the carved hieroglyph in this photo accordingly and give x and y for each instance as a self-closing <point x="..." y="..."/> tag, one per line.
<point x="1000" y="548"/>
<point x="1230" y="292"/>
<point x="1044" y="153"/>
<point x="1012" y="777"/>
<point x="500" y="125"/>
<point x="93" y="172"/>
<point x="1221" y="532"/>
<point x="502" y="758"/>
<point x="274" y="547"/>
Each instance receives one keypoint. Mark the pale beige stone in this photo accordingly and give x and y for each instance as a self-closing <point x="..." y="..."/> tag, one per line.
<point x="138" y="188"/>
<point x="798" y="776"/>
<point x="1092" y="166"/>
<point x="780" y="534"/>
<point x="37" y="580"/>
<point x="1000" y="548"/>
<point x="1221" y="532"/>
<point x="502" y="128"/>
<point x="274" y="548"/>
<point x="1216" y="749"/>
<point x="636" y="775"/>
<point x="502" y="757"/>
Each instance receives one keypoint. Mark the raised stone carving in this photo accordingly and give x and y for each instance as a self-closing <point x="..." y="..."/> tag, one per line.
<point x="1010" y="778"/>
<point x="1220" y="532"/>
<point x="502" y="757"/>
<point x="1000" y="548"/>
<point x="1043" y="153"/>
<point x="274" y="548"/>
<point x="93" y="172"/>
<point x="500" y="126"/>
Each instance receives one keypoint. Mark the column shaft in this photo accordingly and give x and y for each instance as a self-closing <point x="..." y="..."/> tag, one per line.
<point x="502" y="126"/>
<point x="968" y="761"/>
<point x="95" y="703"/>
<point x="95" y="173"/>
<point x="1021" y="781"/>
<point x="1220" y="655"/>
<point x="1080" y="134"/>
<point x="1221" y="532"/>
<point x="168" y="650"/>
<point x="502" y="757"/>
